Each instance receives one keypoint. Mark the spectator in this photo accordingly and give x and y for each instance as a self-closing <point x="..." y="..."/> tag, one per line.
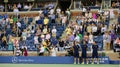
<point x="112" y="39"/>
<point x="45" y="12"/>
<point x="48" y="36"/>
<point x="25" y="53"/>
<point x="26" y="6"/>
<point x="54" y="41"/>
<point x="76" y="52"/>
<point x="17" y="51"/>
<point x="61" y="45"/>
<point x="64" y="20"/>
<point x="19" y="6"/>
<point x="24" y="35"/>
<point x="106" y="41"/>
<point x="95" y="52"/>
<point x="54" y="31"/>
<point x="10" y="44"/>
<point x="103" y="29"/>
<point x="117" y="44"/>
<point x="84" y="52"/>
<point x="53" y="51"/>
<point x="41" y="50"/>
<point x="46" y="21"/>
<point x="52" y="16"/>
<point x="4" y="42"/>
<point x="90" y="38"/>
<point x="1" y="8"/>
<point x="38" y="31"/>
<point x="45" y="30"/>
<point x="36" y="42"/>
<point x="94" y="29"/>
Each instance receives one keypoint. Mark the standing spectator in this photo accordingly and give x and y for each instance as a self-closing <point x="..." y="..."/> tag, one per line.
<point x="45" y="12"/>
<point x="41" y="50"/>
<point x="112" y="39"/>
<point x="106" y="41"/>
<point x="38" y="31"/>
<point x="25" y="53"/>
<point x="36" y="42"/>
<point x="103" y="29"/>
<point x="89" y="28"/>
<point x="61" y="45"/>
<point x="54" y="31"/>
<point x="54" y="41"/>
<point x="24" y="35"/>
<point x="53" y="51"/>
<point x="94" y="52"/>
<point x="17" y="51"/>
<point x="94" y="29"/>
<point x="16" y="11"/>
<point x="4" y="42"/>
<point x="46" y="21"/>
<point x="9" y="7"/>
<point x="52" y="16"/>
<point x="26" y="6"/>
<point x="85" y="38"/>
<point x="76" y="52"/>
<point x="1" y="8"/>
<point x="117" y="44"/>
<point x="64" y="20"/>
<point x="51" y="11"/>
<point x="19" y="6"/>
<point x="58" y="10"/>
<point x="48" y="36"/>
<point x="90" y="38"/>
<point x="84" y="52"/>
<point x="45" y="30"/>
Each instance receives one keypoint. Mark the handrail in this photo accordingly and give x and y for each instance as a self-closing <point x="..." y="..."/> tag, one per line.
<point x="56" y="6"/>
<point x="71" y="4"/>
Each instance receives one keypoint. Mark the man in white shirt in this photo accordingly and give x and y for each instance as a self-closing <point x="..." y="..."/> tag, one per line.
<point x="54" y="31"/>
<point x="26" y="6"/>
<point x="19" y="6"/>
<point x="58" y="10"/>
<point x="19" y="24"/>
<point x="41" y="50"/>
<point x="51" y="11"/>
<point x="94" y="29"/>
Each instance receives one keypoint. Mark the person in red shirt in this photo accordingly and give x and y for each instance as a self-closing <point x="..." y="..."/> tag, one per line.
<point x="25" y="53"/>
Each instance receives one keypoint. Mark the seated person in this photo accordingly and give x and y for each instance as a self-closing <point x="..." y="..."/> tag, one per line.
<point x="117" y="44"/>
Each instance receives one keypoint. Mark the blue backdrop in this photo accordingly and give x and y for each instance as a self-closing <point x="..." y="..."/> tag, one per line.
<point x="46" y="60"/>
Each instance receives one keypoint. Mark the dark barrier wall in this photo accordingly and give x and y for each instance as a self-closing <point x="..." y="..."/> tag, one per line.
<point x="46" y="60"/>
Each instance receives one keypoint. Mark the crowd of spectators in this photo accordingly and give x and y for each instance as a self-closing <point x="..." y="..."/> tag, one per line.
<point x="43" y="32"/>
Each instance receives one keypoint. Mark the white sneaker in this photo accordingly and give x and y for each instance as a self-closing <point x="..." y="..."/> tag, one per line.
<point x="74" y="62"/>
<point x="92" y="63"/>
<point x="97" y="62"/>
<point x="82" y="63"/>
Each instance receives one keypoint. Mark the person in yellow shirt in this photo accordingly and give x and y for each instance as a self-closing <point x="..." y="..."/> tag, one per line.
<point x="68" y="30"/>
<point x="46" y="21"/>
<point x="11" y="21"/>
<point x="89" y="29"/>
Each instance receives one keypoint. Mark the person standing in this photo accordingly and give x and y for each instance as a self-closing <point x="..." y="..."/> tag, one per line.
<point x="94" y="52"/>
<point x="76" y="52"/>
<point x="84" y="52"/>
<point x="106" y="41"/>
